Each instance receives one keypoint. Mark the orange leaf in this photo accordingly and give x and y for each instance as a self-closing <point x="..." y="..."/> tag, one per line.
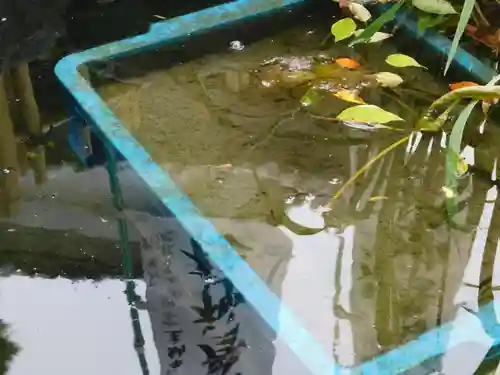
<point x="459" y="85"/>
<point x="348" y="63"/>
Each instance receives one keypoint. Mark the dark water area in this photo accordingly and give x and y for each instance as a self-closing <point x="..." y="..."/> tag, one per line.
<point x="77" y="294"/>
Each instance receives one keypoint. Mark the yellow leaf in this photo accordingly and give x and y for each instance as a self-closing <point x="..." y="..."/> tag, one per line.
<point x="462" y="167"/>
<point x="351" y="96"/>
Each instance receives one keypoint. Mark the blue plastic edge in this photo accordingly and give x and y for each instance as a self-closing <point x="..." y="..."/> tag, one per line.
<point x="255" y="291"/>
<point x="267" y="304"/>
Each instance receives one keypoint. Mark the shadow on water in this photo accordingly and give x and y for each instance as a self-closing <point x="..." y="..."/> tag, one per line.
<point x="78" y="294"/>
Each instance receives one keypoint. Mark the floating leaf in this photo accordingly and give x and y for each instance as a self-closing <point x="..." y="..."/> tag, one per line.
<point x="459" y="85"/>
<point x="368" y="114"/>
<point x="351" y="96"/>
<point x="377" y="37"/>
<point x="343" y="29"/>
<point x="387" y="79"/>
<point x="434" y="6"/>
<point x="401" y="61"/>
<point x="360" y="12"/>
<point x="345" y="62"/>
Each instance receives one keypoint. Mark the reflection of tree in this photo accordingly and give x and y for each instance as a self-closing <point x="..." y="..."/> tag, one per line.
<point x="408" y="258"/>
<point x="7" y="349"/>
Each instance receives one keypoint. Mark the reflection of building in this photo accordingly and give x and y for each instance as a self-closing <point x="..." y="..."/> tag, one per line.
<point x="58" y="231"/>
<point x="19" y="118"/>
<point x="201" y="324"/>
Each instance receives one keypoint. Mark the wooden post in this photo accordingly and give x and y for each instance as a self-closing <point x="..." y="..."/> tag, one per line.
<point x="23" y="90"/>
<point x="10" y="194"/>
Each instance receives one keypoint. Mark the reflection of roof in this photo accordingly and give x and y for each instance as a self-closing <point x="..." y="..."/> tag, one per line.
<point x="62" y="253"/>
<point x="29" y="27"/>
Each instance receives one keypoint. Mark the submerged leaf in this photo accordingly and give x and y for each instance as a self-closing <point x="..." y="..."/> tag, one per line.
<point x="434" y="6"/>
<point x="387" y="79"/>
<point x="351" y="96"/>
<point x="360" y="12"/>
<point x="343" y="29"/>
<point x="368" y="114"/>
<point x="345" y="62"/>
<point x="401" y="61"/>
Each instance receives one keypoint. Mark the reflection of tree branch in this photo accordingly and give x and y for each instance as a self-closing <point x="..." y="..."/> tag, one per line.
<point x="7" y="349"/>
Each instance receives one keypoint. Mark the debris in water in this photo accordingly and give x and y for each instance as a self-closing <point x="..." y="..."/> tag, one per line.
<point x="209" y="280"/>
<point x="377" y="198"/>
<point x="335" y="181"/>
<point x="236" y="45"/>
<point x="228" y="165"/>
<point x="448" y="192"/>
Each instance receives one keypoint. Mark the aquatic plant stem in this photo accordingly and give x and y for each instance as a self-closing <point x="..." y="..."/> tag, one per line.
<point x="363" y="169"/>
<point x="474" y="92"/>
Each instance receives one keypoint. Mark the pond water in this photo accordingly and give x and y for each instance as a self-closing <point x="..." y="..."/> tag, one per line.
<point x="385" y="263"/>
<point x="380" y="268"/>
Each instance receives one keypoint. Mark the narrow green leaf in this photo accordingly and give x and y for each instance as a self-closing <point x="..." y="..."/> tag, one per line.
<point x="462" y="23"/>
<point x="402" y="61"/>
<point x="368" y="114"/>
<point x="376" y="25"/>
<point x="343" y="29"/>
<point x="434" y="6"/>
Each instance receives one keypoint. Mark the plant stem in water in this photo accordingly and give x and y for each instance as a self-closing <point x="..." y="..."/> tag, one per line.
<point x="363" y="169"/>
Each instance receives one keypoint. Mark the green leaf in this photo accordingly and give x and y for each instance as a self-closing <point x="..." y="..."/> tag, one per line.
<point x="401" y="61"/>
<point x="343" y="29"/>
<point x="434" y="6"/>
<point x="368" y="114"/>
<point x="462" y="23"/>
<point x="376" y="25"/>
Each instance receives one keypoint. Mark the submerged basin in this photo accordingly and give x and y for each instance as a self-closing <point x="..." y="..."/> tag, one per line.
<point x="385" y="264"/>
